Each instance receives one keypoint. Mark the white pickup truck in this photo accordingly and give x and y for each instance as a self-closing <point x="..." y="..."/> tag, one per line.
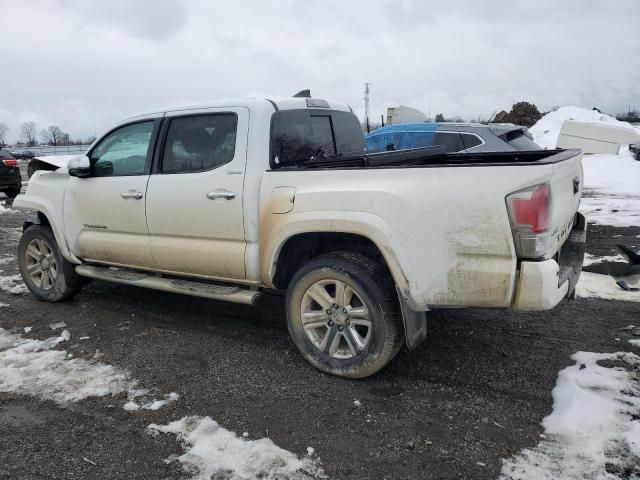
<point x="226" y="200"/>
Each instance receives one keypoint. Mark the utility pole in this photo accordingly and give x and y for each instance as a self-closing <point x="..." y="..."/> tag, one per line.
<point x="366" y="106"/>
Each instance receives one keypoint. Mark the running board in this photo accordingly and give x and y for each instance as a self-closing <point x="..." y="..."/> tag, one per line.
<point x="185" y="287"/>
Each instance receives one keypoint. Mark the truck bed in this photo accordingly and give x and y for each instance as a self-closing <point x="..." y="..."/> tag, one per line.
<point x="438" y="217"/>
<point x="435" y="157"/>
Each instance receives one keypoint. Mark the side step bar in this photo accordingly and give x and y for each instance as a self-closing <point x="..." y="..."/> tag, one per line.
<point x="186" y="287"/>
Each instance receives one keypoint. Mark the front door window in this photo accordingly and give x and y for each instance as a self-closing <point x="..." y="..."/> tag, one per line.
<point x="123" y="152"/>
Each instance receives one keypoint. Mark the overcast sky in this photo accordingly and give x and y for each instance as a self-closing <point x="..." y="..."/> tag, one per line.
<point x="84" y="64"/>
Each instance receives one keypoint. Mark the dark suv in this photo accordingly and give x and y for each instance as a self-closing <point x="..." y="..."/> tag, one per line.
<point x="10" y="179"/>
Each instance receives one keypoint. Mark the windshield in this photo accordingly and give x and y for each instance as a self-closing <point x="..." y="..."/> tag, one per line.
<point x="298" y="135"/>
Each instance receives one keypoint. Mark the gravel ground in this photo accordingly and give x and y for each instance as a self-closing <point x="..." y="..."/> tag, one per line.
<point x="472" y="394"/>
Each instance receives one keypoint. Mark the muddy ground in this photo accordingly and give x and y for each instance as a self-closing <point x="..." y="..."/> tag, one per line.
<point x="472" y="394"/>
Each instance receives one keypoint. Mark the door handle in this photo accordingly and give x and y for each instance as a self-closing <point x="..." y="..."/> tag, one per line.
<point x="132" y="194"/>
<point x="226" y="194"/>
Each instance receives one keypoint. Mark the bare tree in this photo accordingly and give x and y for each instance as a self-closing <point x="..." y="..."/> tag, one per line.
<point x="4" y="128"/>
<point x="54" y="136"/>
<point x="28" y="130"/>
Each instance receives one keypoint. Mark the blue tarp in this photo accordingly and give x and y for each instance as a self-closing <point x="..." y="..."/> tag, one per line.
<point x="420" y="135"/>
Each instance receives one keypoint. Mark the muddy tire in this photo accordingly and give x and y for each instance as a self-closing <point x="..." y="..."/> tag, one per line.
<point x="343" y="315"/>
<point x="44" y="270"/>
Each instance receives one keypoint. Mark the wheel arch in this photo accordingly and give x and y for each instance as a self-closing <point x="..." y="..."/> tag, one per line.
<point x="44" y="216"/>
<point x="357" y="231"/>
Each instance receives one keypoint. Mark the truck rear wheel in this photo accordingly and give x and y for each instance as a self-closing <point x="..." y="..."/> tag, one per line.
<point x="343" y="315"/>
<point x="44" y="270"/>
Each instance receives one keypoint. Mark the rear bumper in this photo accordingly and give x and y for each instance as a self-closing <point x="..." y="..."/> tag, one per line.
<point x="542" y="285"/>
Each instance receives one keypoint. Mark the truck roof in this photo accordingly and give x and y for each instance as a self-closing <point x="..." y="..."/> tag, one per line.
<point x="278" y="103"/>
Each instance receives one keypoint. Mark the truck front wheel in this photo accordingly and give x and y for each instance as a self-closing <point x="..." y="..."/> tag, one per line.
<point x="343" y="315"/>
<point x="44" y="270"/>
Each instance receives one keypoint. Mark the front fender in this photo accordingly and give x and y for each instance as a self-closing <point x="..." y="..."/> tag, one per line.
<point x="45" y="207"/>
<point x="278" y="228"/>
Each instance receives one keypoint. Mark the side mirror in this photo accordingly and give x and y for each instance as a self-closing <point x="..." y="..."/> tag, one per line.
<point x="79" y="167"/>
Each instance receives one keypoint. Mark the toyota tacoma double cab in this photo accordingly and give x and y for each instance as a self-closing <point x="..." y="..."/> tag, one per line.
<point x="231" y="199"/>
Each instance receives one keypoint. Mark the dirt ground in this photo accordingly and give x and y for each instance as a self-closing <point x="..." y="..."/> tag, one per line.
<point x="473" y="393"/>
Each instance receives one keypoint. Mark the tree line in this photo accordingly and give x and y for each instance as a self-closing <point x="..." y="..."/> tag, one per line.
<point x="53" y="135"/>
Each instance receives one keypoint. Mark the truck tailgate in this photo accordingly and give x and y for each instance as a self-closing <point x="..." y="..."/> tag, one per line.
<point x="566" y="191"/>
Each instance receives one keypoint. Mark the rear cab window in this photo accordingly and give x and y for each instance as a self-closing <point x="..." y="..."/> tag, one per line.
<point x="298" y="135"/>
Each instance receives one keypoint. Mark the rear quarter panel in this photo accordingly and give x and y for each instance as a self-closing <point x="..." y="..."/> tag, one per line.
<point x="443" y="231"/>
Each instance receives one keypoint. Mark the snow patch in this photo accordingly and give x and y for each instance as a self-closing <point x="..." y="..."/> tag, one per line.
<point x="13" y="284"/>
<point x="635" y="342"/>
<point x="5" y="260"/>
<point x="31" y="367"/>
<point x="595" y="285"/>
<point x="591" y="431"/>
<point x="5" y="209"/>
<point x="212" y="451"/>
<point x="138" y="400"/>
<point x="594" y="259"/>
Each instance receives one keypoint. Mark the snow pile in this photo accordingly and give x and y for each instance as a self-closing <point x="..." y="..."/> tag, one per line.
<point x="591" y="432"/>
<point x="612" y="189"/>
<point x="546" y="131"/>
<point x="31" y="367"/>
<point x="212" y="451"/>
<point x="13" y="284"/>
<point x="5" y="209"/>
<point x="595" y="285"/>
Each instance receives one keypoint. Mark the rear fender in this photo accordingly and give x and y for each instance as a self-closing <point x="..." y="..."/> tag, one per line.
<point x="277" y="229"/>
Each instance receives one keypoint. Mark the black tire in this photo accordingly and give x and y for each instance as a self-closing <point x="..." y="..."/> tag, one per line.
<point x="66" y="282"/>
<point x="12" y="192"/>
<point x="374" y="287"/>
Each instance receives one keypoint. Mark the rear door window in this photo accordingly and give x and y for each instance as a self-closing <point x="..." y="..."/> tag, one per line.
<point x="452" y="141"/>
<point x="199" y="142"/>
<point x="469" y="140"/>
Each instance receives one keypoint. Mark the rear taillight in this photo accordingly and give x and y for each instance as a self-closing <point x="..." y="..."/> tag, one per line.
<point x="531" y="208"/>
<point x="530" y="214"/>
<point x="10" y="163"/>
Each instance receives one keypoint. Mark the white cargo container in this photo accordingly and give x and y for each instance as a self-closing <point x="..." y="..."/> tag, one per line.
<point x="594" y="137"/>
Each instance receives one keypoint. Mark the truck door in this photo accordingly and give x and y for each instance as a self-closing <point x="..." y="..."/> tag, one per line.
<point x="194" y="198"/>
<point x="104" y="214"/>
